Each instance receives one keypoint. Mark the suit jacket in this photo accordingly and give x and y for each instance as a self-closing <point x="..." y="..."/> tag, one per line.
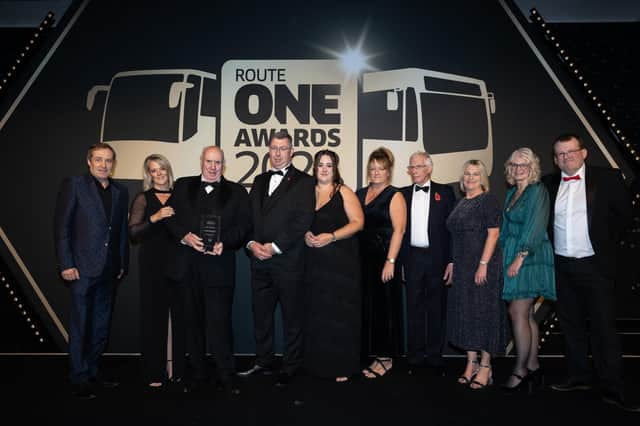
<point x="231" y="203"/>
<point x="441" y="204"/>
<point x="284" y="217"/>
<point x="83" y="234"/>
<point x="608" y="212"/>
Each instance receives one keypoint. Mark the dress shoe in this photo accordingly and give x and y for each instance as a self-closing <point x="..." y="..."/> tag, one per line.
<point x="618" y="400"/>
<point x="414" y="369"/>
<point x="436" y="370"/>
<point x="570" y="386"/>
<point x="104" y="384"/>
<point x="229" y="386"/>
<point x="83" y="391"/>
<point x="283" y="379"/>
<point x="255" y="371"/>
<point x="193" y="387"/>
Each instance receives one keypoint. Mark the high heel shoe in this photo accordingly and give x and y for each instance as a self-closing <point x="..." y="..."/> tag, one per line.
<point x="464" y="380"/>
<point x="536" y="377"/>
<point x="476" y="385"/>
<point x="525" y="380"/>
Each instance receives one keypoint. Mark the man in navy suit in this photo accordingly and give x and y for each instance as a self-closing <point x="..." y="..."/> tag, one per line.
<point x="282" y="208"/>
<point x="426" y="261"/>
<point x="590" y="209"/>
<point x="92" y="253"/>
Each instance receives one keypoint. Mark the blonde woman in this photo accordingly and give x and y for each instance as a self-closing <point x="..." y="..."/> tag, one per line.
<point x="528" y="261"/>
<point x="475" y="311"/>
<point x="159" y="296"/>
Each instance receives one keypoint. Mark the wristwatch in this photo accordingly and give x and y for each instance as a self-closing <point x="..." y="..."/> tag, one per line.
<point x="391" y="260"/>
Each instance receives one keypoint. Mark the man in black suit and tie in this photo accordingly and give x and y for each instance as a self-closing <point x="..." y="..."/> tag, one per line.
<point x="590" y="209"/>
<point x="207" y="268"/>
<point x="92" y="253"/>
<point x="426" y="261"/>
<point x="282" y="208"/>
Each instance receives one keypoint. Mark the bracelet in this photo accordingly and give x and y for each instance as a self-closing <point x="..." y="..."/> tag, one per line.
<point x="484" y="262"/>
<point x="333" y="237"/>
<point x="523" y="254"/>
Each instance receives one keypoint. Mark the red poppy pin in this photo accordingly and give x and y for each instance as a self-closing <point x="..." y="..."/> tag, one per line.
<point x="436" y="196"/>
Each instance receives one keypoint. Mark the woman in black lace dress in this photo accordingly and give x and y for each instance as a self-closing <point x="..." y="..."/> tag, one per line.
<point x="161" y="299"/>
<point x="332" y="332"/>
<point x="385" y="217"/>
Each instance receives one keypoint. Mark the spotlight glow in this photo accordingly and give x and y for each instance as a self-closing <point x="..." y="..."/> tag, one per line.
<point x="354" y="61"/>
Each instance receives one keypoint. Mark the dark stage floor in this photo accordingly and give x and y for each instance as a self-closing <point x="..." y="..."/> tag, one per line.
<point x="35" y="391"/>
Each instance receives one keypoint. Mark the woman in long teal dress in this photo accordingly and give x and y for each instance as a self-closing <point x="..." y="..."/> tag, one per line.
<point x="528" y="261"/>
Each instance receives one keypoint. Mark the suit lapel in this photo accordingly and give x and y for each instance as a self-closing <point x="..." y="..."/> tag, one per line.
<point x="553" y="192"/>
<point x="92" y="190"/>
<point x="115" y="199"/>
<point x="287" y="181"/>
<point x="408" y="195"/>
<point x="590" y="184"/>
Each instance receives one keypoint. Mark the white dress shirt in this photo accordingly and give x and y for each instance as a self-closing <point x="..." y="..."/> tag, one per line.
<point x="420" y="203"/>
<point x="570" y="223"/>
<point x="275" y="180"/>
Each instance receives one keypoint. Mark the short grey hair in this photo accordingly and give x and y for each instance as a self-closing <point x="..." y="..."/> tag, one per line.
<point x="423" y="154"/>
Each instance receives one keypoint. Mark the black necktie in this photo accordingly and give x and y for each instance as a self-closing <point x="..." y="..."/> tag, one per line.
<point x="214" y="184"/>
<point x="275" y="172"/>
<point x="421" y="188"/>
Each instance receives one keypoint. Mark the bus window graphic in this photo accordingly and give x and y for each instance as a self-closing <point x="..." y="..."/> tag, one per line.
<point x="169" y="112"/>
<point x="408" y="110"/>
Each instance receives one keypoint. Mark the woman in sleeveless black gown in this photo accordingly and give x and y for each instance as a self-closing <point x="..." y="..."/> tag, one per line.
<point x="160" y="298"/>
<point x="385" y="219"/>
<point x="332" y="335"/>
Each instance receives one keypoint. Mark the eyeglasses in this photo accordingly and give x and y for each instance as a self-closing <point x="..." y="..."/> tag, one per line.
<point x="418" y="167"/>
<point x="279" y="148"/>
<point x="519" y="165"/>
<point x="567" y="153"/>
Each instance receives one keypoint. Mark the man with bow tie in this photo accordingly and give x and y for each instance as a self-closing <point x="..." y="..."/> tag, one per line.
<point x="590" y="210"/>
<point x="426" y="262"/>
<point x="207" y="268"/>
<point x="282" y="209"/>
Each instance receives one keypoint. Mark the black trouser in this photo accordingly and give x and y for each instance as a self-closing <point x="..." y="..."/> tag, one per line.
<point x="584" y="292"/>
<point x="270" y="285"/>
<point x="161" y="298"/>
<point x="426" y="308"/>
<point x="208" y="317"/>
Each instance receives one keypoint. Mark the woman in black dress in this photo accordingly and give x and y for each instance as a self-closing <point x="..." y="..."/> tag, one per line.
<point x="475" y="312"/>
<point x="161" y="299"/>
<point x="332" y="336"/>
<point x="385" y="213"/>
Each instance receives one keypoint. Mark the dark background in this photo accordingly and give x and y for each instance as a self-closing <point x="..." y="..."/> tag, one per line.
<point x="46" y="137"/>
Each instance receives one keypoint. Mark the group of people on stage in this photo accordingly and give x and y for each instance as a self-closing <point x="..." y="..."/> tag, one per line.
<point x="335" y="261"/>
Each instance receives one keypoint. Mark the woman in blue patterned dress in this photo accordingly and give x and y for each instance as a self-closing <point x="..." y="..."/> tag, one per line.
<point x="475" y="312"/>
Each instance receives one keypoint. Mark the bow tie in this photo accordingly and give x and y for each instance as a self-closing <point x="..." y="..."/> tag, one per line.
<point x="568" y="178"/>
<point x="213" y="184"/>
<point x="421" y="188"/>
<point x="276" y="172"/>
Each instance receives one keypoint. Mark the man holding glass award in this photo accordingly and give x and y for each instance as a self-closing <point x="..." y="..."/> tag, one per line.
<point x="210" y="223"/>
